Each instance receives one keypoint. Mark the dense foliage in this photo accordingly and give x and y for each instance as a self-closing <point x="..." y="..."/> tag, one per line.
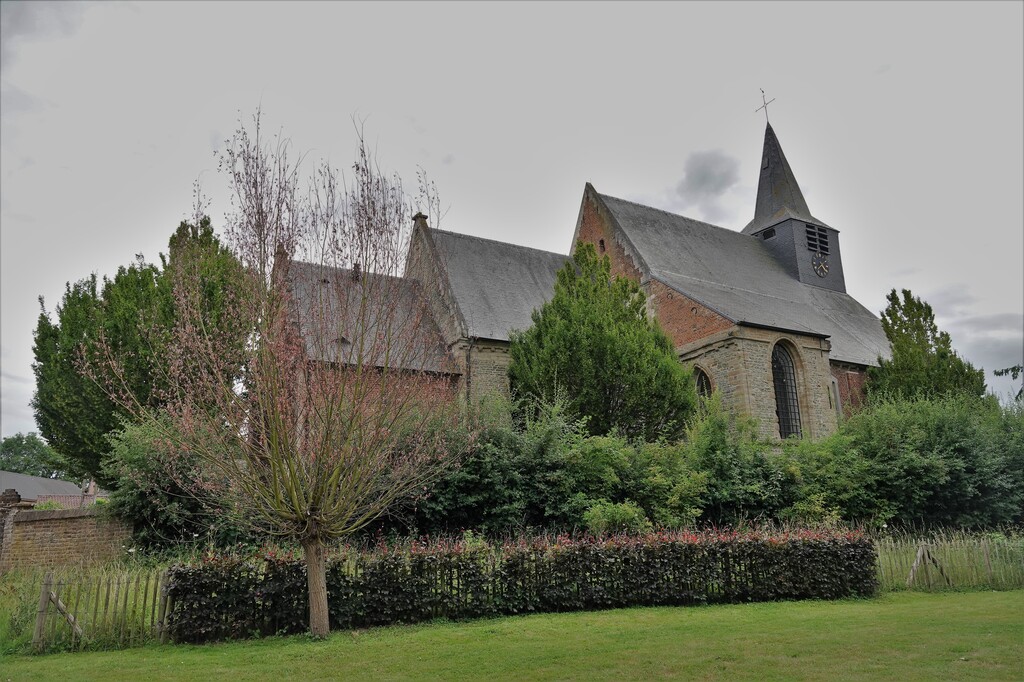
<point x="130" y="317"/>
<point x="594" y="344"/>
<point x="235" y="597"/>
<point x="923" y="362"/>
<point x="942" y="461"/>
<point x="29" y="454"/>
<point x="155" y="492"/>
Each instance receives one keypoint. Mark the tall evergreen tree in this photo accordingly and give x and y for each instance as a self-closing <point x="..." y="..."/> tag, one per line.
<point x="923" y="362"/>
<point x="594" y="345"/>
<point x="132" y="315"/>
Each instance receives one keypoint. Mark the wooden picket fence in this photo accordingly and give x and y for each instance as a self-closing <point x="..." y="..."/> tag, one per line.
<point x="103" y="612"/>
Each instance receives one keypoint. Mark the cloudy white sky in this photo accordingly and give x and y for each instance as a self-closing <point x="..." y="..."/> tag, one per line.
<point x="902" y="122"/>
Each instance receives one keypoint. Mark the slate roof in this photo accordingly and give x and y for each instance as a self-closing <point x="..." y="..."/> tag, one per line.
<point x="778" y="194"/>
<point x="32" y="487"/>
<point x="734" y="275"/>
<point x="326" y="301"/>
<point x="496" y="285"/>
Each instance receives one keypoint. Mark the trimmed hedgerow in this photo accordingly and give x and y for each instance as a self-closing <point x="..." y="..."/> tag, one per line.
<point x="235" y="597"/>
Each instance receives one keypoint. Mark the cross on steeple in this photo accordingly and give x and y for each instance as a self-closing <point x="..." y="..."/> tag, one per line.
<point x="764" y="106"/>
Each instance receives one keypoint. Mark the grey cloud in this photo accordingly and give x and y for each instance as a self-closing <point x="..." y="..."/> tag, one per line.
<point x="448" y="159"/>
<point x="707" y="177"/>
<point x="9" y="377"/>
<point x="25" y="19"/>
<point x="952" y="301"/>
<point x="14" y="100"/>
<point x="985" y="325"/>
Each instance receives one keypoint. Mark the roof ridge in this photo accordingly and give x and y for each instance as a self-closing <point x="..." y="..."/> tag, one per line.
<point x="498" y="241"/>
<point x="674" y="215"/>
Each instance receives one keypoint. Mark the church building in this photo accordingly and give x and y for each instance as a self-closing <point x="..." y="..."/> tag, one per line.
<point x="762" y="315"/>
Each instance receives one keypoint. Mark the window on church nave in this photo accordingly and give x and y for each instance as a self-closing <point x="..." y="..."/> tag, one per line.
<point x="787" y="407"/>
<point x="703" y="382"/>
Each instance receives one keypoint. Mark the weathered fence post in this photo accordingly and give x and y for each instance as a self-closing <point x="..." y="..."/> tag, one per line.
<point x="165" y="609"/>
<point x="44" y="603"/>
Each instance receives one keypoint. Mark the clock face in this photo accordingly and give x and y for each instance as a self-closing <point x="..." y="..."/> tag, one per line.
<point x="819" y="262"/>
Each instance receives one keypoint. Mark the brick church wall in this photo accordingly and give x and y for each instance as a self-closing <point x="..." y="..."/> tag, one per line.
<point x="683" y="319"/>
<point x="852" y="382"/>
<point x="60" y="537"/>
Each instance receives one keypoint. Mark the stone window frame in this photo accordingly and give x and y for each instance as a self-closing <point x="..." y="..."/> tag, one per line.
<point x="699" y="370"/>
<point x="798" y="398"/>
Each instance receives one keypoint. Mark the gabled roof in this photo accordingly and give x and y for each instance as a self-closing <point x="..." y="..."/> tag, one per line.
<point x="397" y="321"/>
<point x="496" y="285"/>
<point x="32" y="487"/>
<point x="734" y="275"/>
<point x="778" y="194"/>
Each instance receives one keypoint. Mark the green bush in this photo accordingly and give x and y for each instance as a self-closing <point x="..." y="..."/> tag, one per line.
<point x="605" y="517"/>
<point x="237" y="597"/>
<point x="950" y="461"/>
<point x="155" y="493"/>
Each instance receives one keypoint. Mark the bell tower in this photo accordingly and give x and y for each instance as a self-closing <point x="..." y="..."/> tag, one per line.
<point x="807" y="247"/>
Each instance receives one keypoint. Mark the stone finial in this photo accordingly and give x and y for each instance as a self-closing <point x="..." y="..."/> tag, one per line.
<point x="420" y="220"/>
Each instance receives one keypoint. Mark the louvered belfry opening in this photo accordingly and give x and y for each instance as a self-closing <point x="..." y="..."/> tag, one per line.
<point x="786" y="405"/>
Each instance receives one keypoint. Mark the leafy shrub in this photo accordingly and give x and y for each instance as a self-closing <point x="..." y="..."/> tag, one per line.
<point x="745" y="478"/>
<point x="225" y="597"/>
<point x="154" y="494"/>
<point x="949" y="461"/>
<point x="605" y="517"/>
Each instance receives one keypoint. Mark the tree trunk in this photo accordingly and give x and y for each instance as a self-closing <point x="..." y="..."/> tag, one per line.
<point x="316" y="580"/>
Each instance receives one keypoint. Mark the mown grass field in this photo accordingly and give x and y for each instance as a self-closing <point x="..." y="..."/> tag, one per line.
<point x="898" y="636"/>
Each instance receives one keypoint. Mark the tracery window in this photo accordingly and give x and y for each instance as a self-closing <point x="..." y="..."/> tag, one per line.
<point x="787" y="407"/>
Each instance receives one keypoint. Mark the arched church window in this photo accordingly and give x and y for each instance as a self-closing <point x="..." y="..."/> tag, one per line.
<point x="786" y="405"/>
<point x="703" y="382"/>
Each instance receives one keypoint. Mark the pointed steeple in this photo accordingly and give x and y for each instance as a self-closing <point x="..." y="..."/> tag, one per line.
<point x="778" y="194"/>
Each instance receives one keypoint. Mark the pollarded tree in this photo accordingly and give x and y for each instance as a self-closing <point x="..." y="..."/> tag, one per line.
<point x="923" y="362"/>
<point x="340" y="402"/>
<point x="594" y="345"/>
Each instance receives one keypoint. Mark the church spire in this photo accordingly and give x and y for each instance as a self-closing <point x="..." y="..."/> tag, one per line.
<point x="778" y="194"/>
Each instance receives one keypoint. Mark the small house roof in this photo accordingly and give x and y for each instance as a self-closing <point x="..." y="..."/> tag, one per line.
<point x="32" y="487"/>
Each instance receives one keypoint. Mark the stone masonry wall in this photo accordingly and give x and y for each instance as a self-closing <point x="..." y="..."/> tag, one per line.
<point x="61" y="537"/>
<point x="739" y="364"/>
<point x="488" y="368"/>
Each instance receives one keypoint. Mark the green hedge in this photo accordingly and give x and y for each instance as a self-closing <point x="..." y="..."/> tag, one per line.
<point x="240" y="597"/>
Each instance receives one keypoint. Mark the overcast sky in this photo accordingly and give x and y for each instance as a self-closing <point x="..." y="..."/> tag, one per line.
<point x="902" y="123"/>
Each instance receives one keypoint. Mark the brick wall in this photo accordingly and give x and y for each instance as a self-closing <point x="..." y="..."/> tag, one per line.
<point x="61" y="537"/>
<point x="682" y="318"/>
<point x="852" y="380"/>
<point x="595" y="227"/>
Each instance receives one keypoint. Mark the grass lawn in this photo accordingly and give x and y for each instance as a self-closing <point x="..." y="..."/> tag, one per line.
<point x="899" y="636"/>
